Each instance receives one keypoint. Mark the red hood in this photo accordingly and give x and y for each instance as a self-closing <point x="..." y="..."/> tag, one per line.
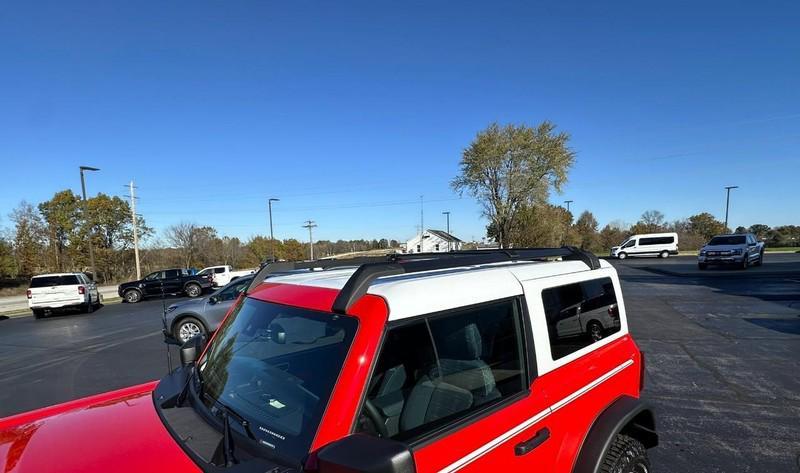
<point x="118" y="431"/>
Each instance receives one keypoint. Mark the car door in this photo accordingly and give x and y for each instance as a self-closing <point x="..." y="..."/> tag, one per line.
<point x="225" y="299"/>
<point x="172" y="281"/>
<point x="456" y="387"/>
<point x="152" y="283"/>
<point x="577" y="381"/>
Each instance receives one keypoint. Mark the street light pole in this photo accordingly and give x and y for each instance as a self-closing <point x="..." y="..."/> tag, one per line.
<point x="728" y="203"/>
<point x="447" y="213"/>
<point x="86" y="216"/>
<point x="568" y="202"/>
<point x="271" y="235"/>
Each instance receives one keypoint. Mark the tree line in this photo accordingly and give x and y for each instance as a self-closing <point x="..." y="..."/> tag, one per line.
<point x="53" y="236"/>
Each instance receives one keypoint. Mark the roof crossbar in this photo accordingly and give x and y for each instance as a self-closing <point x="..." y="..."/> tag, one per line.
<point x="373" y="267"/>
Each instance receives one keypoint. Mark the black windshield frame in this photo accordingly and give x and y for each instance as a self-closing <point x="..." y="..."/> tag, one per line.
<point x="284" y="380"/>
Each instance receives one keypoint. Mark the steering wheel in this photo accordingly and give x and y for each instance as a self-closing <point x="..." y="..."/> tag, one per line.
<point x="377" y="419"/>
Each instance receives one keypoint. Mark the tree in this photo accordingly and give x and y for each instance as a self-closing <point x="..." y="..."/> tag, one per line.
<point x="705" y="225"/>
<point x="586" y="229"/>
<point x="29" y="239"/>
<point x="63" y="216"/>
<point x="760" y="230"/>
<point x="194" y="243"/>
<point x="611" y="235"/>
<point x="652" y="221"/>
<point x="512" y="167"/>
<point x="543" y="225"/>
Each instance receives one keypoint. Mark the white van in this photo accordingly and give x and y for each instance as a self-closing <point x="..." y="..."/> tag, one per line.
<point x="649" y="244"/>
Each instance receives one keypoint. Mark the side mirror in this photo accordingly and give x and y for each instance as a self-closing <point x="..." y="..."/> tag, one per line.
<point x="191" y="349"/>
<point x="213" y="299"/>
<point x="360" y="453"/>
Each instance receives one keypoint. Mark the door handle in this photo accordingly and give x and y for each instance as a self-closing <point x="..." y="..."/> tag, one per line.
<point x="527" y="446"/>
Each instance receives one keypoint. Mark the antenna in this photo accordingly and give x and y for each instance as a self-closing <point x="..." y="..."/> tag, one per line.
<point x="166" y="330"/>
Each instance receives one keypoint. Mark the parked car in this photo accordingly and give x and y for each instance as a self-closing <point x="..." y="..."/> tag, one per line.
<point x="649" y="244"/>
<point x="61" y="291"/>
<point x="167" y="281"/>
<point x="224" y="274"/>
<point x="739" y="249"/>
<point x="411" y="363"/>
<point x="203" y="315"/>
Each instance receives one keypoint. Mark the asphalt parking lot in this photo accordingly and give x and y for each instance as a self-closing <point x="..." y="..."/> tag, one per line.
<point x="722" y="349"/>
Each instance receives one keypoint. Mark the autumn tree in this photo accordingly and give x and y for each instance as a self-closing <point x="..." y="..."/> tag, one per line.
<point x="508" y="168"/>
<point x="29" y="239"/>
<point x="705" y="225"/>
<point x="586" y="229"/>
<point x="63" y="216"/>
<point x="612" y="235"/>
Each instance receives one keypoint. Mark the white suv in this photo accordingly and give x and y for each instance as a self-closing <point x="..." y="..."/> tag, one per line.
<point x="62" y="290"/>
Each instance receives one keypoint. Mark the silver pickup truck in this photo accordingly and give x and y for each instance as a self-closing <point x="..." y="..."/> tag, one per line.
<point x="741" y="249"/>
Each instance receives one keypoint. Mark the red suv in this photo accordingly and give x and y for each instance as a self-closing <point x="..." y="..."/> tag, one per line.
<point x="469" y="361"/>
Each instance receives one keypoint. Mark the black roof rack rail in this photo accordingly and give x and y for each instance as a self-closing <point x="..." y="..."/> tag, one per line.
<point x="371" y="268"/>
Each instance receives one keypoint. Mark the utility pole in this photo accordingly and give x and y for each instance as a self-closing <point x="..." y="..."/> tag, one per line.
<point x="421" y="218"/>
<point x="568" y="202"/>
<point x="86" y="216"/>
<point x="447" y="213"/>
<point x="310" y="224"/>
<point x="135" y="230"/>
<point x="271" y="235"/>
<point x="728" y="203"/>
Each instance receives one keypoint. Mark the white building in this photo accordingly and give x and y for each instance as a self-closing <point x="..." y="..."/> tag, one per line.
<point x="433" y="241"/>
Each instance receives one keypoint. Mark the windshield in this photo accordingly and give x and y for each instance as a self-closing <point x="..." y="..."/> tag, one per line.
<point x="47" y="281"/>
<point x="728" y="240"/>
<point x="276" y="367"/>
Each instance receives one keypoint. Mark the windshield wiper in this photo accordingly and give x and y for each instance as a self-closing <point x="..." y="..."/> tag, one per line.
<point x="227" y="441"/>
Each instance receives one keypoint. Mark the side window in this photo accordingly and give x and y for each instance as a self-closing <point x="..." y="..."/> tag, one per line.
<point x="219" y="270"/>
<point x="171" y="273"/>
<point x="232" y="291"/>
<point x="630" y="243"/>
<point x="438" y="370"/>
<point x="580" y="314"/>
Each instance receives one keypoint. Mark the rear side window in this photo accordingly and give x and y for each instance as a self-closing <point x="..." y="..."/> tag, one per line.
<point x="171" y="273"/>
<point x="438" y="370"/>
<point x="219" y="270"/>
<point x="48" y="281"/>
<point x="580" y="314"/>
<point x="657" y="241"/>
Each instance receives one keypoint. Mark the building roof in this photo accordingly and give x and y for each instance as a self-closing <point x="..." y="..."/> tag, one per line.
<point x="444" y="235"/>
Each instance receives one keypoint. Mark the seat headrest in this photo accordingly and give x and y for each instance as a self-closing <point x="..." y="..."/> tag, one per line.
<point x="463" y="344"/>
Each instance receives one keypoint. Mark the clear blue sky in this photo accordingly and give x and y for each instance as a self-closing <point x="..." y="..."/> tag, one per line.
<point x="349" y="111"/>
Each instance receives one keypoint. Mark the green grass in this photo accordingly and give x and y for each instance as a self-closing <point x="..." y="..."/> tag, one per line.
<point x="783" y="249"/>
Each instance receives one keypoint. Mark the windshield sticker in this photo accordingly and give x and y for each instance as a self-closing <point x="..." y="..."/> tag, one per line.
<point x="276" y="404"/>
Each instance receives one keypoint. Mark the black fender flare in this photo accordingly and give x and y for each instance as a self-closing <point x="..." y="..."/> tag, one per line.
<point x="626" y="415"/>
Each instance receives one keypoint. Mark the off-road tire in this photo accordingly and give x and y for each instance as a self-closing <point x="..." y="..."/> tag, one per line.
<point x="132" y="296"/>
<point x="193" y="290"/>
<point x="626" y="455"/>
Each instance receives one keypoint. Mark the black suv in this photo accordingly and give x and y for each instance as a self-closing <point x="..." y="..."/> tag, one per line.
<point x="167" y="281"/>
